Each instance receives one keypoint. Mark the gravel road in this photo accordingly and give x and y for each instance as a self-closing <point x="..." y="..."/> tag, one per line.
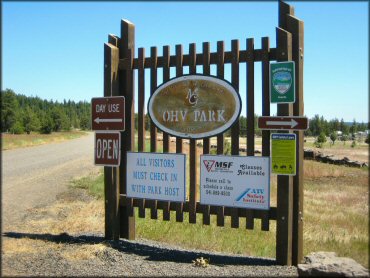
<point x="33" y="176"/>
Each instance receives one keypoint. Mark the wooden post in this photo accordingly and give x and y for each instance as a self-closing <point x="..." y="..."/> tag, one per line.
<point x="220" y="137"/>
<point x="250" y="116"/>
<point x="265" y="224"/>
<point x="284" y="183"/>
<point x="296" y="28"/>
<point x="141" y="116"/>
<point x="193" y="149"/>
<point x="111" y="188"/>
<point x="235" y="129"/>
<point x="126" y="84"/>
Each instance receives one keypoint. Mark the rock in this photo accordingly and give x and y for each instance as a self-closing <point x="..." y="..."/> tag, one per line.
<point x="309" y="154"/>
<point x="356" y="164"/>
<point x="327" y="264"/>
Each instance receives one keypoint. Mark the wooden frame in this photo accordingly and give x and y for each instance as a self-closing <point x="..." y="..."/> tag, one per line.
<point x="119" y="67"/>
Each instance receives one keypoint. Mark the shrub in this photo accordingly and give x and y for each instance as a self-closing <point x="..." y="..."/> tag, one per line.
<point x="333" y="137"/>
<point x="46" y="126"/>
<point x="320" y="140"/>
<point x="17" y="128"/>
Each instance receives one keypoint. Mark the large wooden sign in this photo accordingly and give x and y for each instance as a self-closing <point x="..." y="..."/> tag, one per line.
<point x="194" y="106"/>
<point x="108" y="113"/>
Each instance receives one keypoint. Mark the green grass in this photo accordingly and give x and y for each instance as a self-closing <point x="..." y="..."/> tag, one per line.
<point x="94" y="185"/>
<point x="15" y="141"/>
<point x="335" y="218"/>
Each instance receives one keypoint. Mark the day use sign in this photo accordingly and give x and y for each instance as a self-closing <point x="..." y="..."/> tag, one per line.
<point x="235" y="181"/>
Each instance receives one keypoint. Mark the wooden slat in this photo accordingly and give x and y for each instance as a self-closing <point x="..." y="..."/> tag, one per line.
<point x="206" y="142"/>
<point x="201" y="208"/>
<point x="250" y="116"/>
<point x="284" y="183"/>
<point x="235" y="129"/>
<point x="166" y="145"/>
<point x="250" y="100"/>
<point x="126" y="85"/>
<point x="265" y="110"/>
<point x="141" y="101"/>
<point x="220" y="138"/>
<point x="141" y="116"/>
<point x="296" y="28"/>
<point x="179" y="72"/>
<point x="193" y="149"/>
<point x="153" y="129"/>
<point x="243" y="55"/>
<point x="111" y="56"/>
<point x="114" y="40"/>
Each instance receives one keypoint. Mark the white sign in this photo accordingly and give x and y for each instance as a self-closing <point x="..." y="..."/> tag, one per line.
<point x="235" y="181"/>
<point x="156" y="176"/>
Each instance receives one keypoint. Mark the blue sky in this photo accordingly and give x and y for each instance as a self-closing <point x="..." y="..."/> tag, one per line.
<point x="54" y="50"/>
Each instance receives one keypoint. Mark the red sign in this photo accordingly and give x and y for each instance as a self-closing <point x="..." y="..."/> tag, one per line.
<point x="107" y="148"/>
<point x="286" y="123"/>
<point x="108" y="113"/>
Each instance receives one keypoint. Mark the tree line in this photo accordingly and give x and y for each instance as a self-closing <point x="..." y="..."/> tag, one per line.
<point x="318" y="125"/>
<point x="23" y="114"/>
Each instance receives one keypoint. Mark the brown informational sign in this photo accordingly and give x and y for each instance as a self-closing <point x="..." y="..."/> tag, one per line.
<point x="107" y="148"/>
<point x="284" y="123"/>
<point x="194" y="106"/>
<point x="108" y="113"/>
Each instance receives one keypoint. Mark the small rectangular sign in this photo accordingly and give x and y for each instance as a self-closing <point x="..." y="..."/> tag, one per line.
<point x="283" y="154"/>
<point x="235" y="181"/>
<point x="107" y="151"/>
<point x="283" y="123"/>
<point x="156" y="176"/>
<point x="282" y="82"/>
<point x="108" y="113"/>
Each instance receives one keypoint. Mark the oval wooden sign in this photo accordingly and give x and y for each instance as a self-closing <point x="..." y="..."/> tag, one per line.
<point x="194" y="106"/>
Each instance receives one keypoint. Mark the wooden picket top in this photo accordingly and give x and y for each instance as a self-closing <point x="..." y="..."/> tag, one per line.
<point x="120" y="66"/>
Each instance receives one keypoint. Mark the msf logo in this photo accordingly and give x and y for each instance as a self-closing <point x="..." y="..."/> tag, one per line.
<point x="217" y="165"/>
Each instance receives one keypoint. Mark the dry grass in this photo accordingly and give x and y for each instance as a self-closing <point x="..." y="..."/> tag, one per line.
<point x="71" y="217"/>
<point x="336" y="207"/>
<point x="314" y="170"/>
<point x="14" y="141"/>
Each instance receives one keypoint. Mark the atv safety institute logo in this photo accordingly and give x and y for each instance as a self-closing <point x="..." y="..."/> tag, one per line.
<point x="214" y="166"/>
<point x="252" y="196"/>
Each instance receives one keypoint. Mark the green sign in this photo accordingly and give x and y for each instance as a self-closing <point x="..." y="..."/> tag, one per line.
<point x="283" y="154"/>
<point x="282" y="82"/>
